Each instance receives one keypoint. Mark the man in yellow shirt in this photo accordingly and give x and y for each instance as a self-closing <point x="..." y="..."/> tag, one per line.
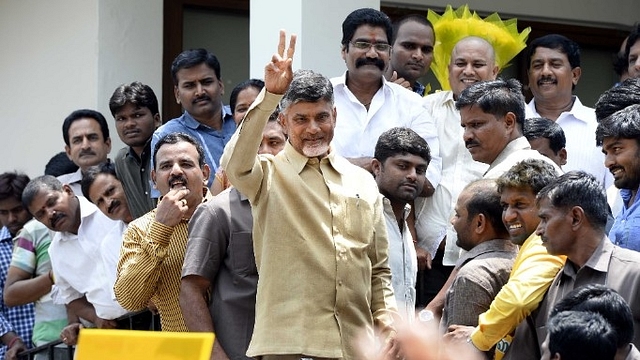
<point x="533" y="269"/>
<point x="154" y="244"/>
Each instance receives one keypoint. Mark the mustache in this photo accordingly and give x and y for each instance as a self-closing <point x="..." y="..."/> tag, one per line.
<point x="200" y="98"/>
<point x="177" y="178"/>
<point x="113" y="204"/>
<point x="370" y="61"/>
<point x="87" y="152"/>
<point x="470" y="142"/>
<point x="55" y="218"/>
<point x="546" y="78"/>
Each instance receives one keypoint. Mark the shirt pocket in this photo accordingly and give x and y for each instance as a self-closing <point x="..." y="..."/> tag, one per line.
<point x="241" y="254"/>
<point x="358" y="219"/>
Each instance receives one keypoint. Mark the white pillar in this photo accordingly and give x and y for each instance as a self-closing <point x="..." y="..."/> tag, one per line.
<point x="318" y="25"/>
<point x="59" y="56"/>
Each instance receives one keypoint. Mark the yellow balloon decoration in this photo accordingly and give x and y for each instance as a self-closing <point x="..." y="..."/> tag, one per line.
<point x="454" y="25"/>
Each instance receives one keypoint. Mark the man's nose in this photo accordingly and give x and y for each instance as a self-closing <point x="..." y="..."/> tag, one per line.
<point x="176" y="169"/>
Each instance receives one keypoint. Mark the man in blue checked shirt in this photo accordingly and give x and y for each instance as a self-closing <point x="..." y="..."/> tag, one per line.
<point x="16" y="323"/>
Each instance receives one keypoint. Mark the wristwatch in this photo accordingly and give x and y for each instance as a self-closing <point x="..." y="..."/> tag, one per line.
<point x="425" y="315"/>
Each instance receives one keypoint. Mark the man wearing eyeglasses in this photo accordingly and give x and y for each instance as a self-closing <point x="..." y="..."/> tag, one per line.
<point x="367" y="104"/>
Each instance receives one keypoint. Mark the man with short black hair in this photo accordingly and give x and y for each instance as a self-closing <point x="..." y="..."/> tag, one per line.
<point x="135" y="110"/>
<point x="619" y="136"/>
<point x="78" y="229"/>
<point x="16" y="322"/>
<point x="153" y="245"/>
<point x="492" y="116"/>
<point x="553" y="67"/>
<point x="579" y="335"/>
<point x="608" y="303"/>
<point x="411" y="51"/>
<point x="533" y="269"/>
<point x="367" y="104"/>
<point x="573" y="214"/>
<point x="632" y="52"/>
<point x="399" y="166"/>
<point x="546" y="137"/>
<point x="198" y="87"/>
<point x="87" y="143"/>
<point x="485" y="268"/>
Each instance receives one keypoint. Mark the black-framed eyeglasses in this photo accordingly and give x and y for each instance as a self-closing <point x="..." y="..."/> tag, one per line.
<point x="365" y="45"/>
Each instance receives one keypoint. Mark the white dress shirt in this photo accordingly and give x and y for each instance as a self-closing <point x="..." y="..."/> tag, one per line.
<point x="516" y="150"/>
<point x="579" y="125"/>
<point x="358" y="129"/>
<point x="73" y="180"/>
<point x="403" y="262"/>
<point x="78" y="266"/>
<point x="458" y="170"/>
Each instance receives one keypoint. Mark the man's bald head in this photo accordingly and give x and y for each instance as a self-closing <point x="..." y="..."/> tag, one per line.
<point x="473" y="59"/>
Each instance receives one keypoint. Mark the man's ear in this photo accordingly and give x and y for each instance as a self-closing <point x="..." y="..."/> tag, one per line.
<point x="153" y="178"/>
<point x="344" y="52"/>
<point x="479" y="223"/>
<point x="176" y="92"/>
<point x="510" y="120"/>
<point x="66" y="188"/>
<point x="282" y="120"/>
<point x="496" y="70"/>
<point x="221" y="86"/>
<point x="67" y="150"/>
<point x="563" y="156"/>
<point x="108" y="143"/>
<point x="576" y="72"/>
<point x="206" y="171"/>
<point x="577" y="217"/>
<point x="376" y="167"/>
<point x="157" y="121"/>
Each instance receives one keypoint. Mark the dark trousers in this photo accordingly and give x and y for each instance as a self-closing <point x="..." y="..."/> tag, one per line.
<point x="430" y="281"/>
<point x="144" y="320"/>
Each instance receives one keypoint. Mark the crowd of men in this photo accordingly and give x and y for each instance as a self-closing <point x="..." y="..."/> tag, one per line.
<point x="317" y="217"/>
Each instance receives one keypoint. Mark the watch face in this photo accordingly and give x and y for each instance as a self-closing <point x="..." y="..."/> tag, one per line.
<point x="425" y="315"/>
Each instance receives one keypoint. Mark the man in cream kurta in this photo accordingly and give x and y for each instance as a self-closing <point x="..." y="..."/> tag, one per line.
<point x="320" y="238"/>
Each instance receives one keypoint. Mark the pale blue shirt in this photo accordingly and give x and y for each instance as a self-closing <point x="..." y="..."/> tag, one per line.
<point x="625" y="231"/>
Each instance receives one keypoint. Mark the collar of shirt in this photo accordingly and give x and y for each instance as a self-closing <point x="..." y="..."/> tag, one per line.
<point x="192" y="123"/>
<point x="340" y="82"/>
<point x="578" y="111"/>
<point x="87" y="209"/>
<point x="299" y="161"/>
<point x="71" y="178"/>
<point x="145" y="152"/>
<point x="514" y="145"/>
<point x="599" y="260"/>
<point x="495" y="245"/>
<point x="389" y="209"/>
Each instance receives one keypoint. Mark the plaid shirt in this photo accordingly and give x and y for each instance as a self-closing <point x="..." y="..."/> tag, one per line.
<point x="18" y="319"/>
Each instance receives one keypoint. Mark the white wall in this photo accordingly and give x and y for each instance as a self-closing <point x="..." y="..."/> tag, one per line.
<point x="62" y="55"/>
<point x="318" y="25"/>
<point x="610" y="13"/>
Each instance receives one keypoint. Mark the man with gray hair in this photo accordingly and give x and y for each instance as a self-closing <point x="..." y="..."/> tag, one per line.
<point x="320" y="238"/>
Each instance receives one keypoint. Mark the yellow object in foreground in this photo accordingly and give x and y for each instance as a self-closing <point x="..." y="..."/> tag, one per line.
<point x="100" y="344"/>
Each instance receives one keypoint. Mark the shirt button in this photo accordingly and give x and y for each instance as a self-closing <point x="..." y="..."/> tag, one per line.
<point x="339" y="282"/>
